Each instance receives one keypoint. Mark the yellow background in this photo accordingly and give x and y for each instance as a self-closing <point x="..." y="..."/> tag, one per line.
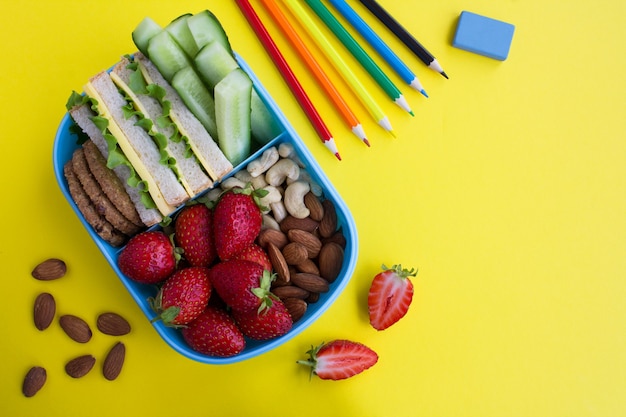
<point x="507" y="190"/>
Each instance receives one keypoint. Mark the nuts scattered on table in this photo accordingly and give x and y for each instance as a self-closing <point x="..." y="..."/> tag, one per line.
<point x="114" y="361"/>
<point x="80" y="366"/>
<point x="44" y="310"/>
<point x="112" y="324"/>
<point x="34" y="380"/>
<point x="49" y="270"/>
<point x="76" y="328"/>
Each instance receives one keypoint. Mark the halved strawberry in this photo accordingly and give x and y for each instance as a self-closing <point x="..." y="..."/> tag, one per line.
<point x="214" y="333"/>
<point x="340" y="359"/>
<point x="390" y="296"/>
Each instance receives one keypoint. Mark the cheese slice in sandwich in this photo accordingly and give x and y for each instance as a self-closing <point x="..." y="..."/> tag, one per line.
<point x="204" y="147"/>
<point x="137" y="145"/>
<point x="84" y="117"/>
<point x="172" y="144"/>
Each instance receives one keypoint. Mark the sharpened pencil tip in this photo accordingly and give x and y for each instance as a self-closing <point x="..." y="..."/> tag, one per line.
<point x="411" y="113"/>
<point x="338" y="156"/>
<point x="367" y="142"/>
<point x="392" y="133"/>
<point x="424" y="93"/>
<point x="444" y="74"/>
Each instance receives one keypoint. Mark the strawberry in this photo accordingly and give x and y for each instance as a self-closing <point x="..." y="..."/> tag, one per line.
<point x="193" y="233"/>
<point x="390" y="296"/>
<point x="183" y="296"/>
<point x="242" y="285"/>
<point x="237" y="221"/>
<point x="214" y="333"/>
<point x="339" y="359"/>
<point x="257" y="254"/>
<point x="271" y="322"/>
<point x="148" y="258"/>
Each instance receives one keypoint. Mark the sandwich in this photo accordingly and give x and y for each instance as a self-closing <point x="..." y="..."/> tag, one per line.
<point x="145" y="155"/>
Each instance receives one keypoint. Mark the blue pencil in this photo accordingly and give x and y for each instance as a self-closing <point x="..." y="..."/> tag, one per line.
<point x="378" y="44"/>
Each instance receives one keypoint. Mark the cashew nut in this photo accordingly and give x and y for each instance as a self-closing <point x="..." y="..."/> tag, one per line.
<point x="258" y="182"/>
<point x="264" y="162"/>
<point x="281" y="170"/>
<point x="243" y="176"/>
<point x="232" y="182"/>
<point x="294" y="199"/>
<point x="273" y="196"/>
<point x="214" y="194"/>
<point x="286" y="150"/>
<point x="278" y="211"/>
<point x="316" y="189"/>
<point x="269" y="223"/>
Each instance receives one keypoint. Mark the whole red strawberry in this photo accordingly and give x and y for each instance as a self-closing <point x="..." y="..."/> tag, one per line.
<point x="242" y="285"/>
<point x="193" y="233"/>
<point x="148" y="258"/>
<point x="214" y="333"/>
<point x="390" y="296"/>
<point x="339" y="359"/>
<point x="183" y="296"/>
<point x="257" y="254"/>
<point x="271" y="322"/>
<point x="237" y="221"/>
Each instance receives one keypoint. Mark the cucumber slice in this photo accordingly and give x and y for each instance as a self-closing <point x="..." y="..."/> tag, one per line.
<point x="182" y="35"/>
<point x="198" y="99"/>
<point x="213" y="63"/>
<point x="144" y="31"/>
<point x="205" y="27"/>
<point x="167" y="55"/>
<point x="232" y="115"/>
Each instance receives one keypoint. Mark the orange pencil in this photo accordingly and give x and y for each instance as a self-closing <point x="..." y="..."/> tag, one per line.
<point x="295" y="40"/>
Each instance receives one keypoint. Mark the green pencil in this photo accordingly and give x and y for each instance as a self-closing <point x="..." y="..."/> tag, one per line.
<point x="359" y="53"/>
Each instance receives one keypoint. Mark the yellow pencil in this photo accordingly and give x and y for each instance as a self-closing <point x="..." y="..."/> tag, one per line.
<point x="325" y="45"/>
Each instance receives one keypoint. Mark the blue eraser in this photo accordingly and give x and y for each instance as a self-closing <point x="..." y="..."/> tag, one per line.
<point x="483" y="35"/>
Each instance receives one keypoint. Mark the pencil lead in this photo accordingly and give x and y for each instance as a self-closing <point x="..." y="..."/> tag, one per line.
<point x="392" y="133"/>
<point x="411" y="113"/>
<point x="424" y="93"/>
<point x="338" y="156"/>
<point x="367" y="142"/>
<point x="444" y="74"/>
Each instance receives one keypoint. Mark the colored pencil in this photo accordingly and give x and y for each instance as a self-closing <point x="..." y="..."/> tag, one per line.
<point x="378" y="44"/>
<point x="289" y="76"/>
<point x="324" y="44"/>
<point x="359" y="53"/>
<point x="331" y="91"/>
<point x="401" y="33"/>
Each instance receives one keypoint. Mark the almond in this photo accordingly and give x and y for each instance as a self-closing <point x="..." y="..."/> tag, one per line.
<point x="279" y="264"/>
<point x="290" y="291"/>
<point x="328" y="224"/>
<point x="76" y="328"/>
<point x="114" y="361"/>
<point x="49" y="270"/>
<point x="330" y="261"/>
<point x="314" y="205"/>
<point x="310" y="282"/>
<point x="313" y="298"/>
<point x="336" y="237"/>
<point x="112" y="324"/>
<point x="80" y="366"/>
<point x="296" y="308"/>
<point x="44" y="310"/>
<point x="291" y="222"/>
<point x="308" y="266"/>
<point x="278" y="238"/>
<point x="308" y="240"/>
<point x="33" y="381"/>
<point x="295" y="253"/>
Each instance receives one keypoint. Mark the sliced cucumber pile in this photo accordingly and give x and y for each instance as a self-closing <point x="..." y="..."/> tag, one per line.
<point x="194" y="54"/>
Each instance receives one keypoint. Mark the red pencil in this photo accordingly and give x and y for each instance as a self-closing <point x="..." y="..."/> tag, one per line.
<point x="289" y="76"/>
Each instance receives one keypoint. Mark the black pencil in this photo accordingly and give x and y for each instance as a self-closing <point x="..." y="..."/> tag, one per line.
<point x="402" y="34"/>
